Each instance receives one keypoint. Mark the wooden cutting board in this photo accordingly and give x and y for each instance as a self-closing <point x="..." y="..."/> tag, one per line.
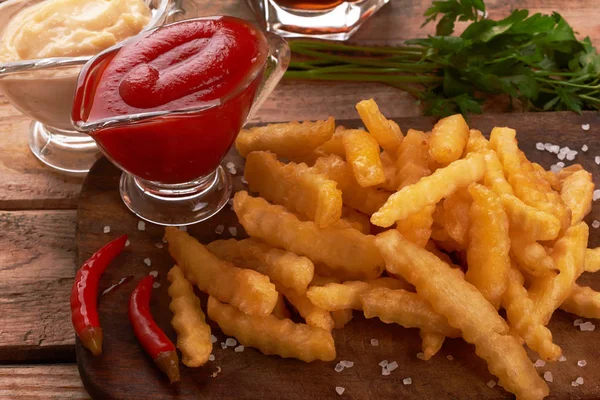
<point x="123" y="371"/>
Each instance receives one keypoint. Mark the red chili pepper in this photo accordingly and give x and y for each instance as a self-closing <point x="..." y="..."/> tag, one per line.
<point x="84" y="295"/>
<point x="151" y="337"/>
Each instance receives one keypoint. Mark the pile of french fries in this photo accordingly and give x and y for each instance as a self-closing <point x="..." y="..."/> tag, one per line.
<point x="466" y="225"/>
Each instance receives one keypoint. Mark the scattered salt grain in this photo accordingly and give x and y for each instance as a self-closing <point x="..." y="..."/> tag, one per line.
<point x="597" y="160"/>
<point x="548" y="376"/>
<point x="539" y="363"/>
<point x="156" y="285"/>
<point x="555" y="149"/>
<point x="584" y="148"/>
<point x="596" y="194"/>
<point x="339" y="390"/>
<point x="374" y="342"/>
<point x="449" y="357"/>
<point x="219" y="229"/>
<point x="571" y="155"/>
<point x="239" y="349"/>
<point x="562" y="359"/>
<point x="564" y="150"/>
<point x="233" y="231"/>
<point x="223" y="345"/>
<point x="213" y="339"/>
<point x="577" y="322"/>
<point x="347" y="364"/>
<point x="106" y="229"/>
<point x="560" y="164"/>
<point x="555" y="168"/>
<point x="183" y="228"/>
<point x="491" y="384"/>
<point x="421" y="356"/>
<point x="392" y="366"/>
<point x="539" y="146"/>
<point x="127" y="243"/>
<point x="338" y="367"/>
<point x="147" y="261"/>
<point x="384" y="371"/>
<point x="159" y="245"/>
<point x="561" y="156"/>
<point x="211" y="357"/>
<point x="574" y="383"/>
<point x="595" y="224"/>
<point x="244" y="181"/>
<point x="547" y="146"/>
<point x="585" y="127"/>
<point x="383" y="363"/>
<point x="579" y="380"/>
<point x="581" y="363"/>
<point x="153" y="273"/>
<point x="141" y="226"/>
<point x="231" y="342"/>
<point x="587" y="327"/>
<point x="407" y="381"/>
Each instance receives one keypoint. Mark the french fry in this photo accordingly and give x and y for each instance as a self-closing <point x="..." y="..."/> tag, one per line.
<point x="592" y="260"/>
<point x="290" y="270"/>
<point x="417" y="227"/>
<point x="362" y="154"/>
<point x="494" y="174"/>
<point x="404" y="308"/>
<point x="271" y="335"/>
<point x="465" y="308"/>
<point x="430" y="189"/>
<point x="568" y="171"/>
<point x="412" y="159"/>
<point x="365" y="200"/>
<point x="583" y="301"/>
<point x="456" y="218"/>
<point x="334" y="145"/>
<point x="548" y="176"/>
<point x="577" y="191"/>
<point x="356" y="219"/>
<point x="247" y="290"/>
<point x="346" y="250"/>
<point x="193" y="333"/>
<point x="312" y="314"/>
<point x="385" y="131"/>
<point x="296" y="186"/>
<point x="341" y="318"/>
<point x="531" y="257"/>
<point x="489" y="245"/>
<point x="431" y="343"/>
<point x="448" y="139"/>
<point x="288" y="140"/>
<point x="342" y="296"/>
<point x="531" y="222"/>
<point x="280" y="311"/>
<point x="388" y="162"/>
<point x="477" y="142"/>
<point x="321" y="280"/>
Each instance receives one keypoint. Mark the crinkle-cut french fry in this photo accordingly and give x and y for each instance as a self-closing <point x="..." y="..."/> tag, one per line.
<point x="531" y="222"/>
<point x="358" y="220"/>
<point x="388" y="162"/>
<point x="430" y="189"/>
<point x="520" y="312"/>
<point x="334" y="145"/>
<point x="466" y="308"/>
<point x="431" y="343"/>
<point x="456" y="217"/>
<point x="362" y="154"/>
<point x="288" y="140"/>
<point x="271" y="335"/>
<point x="444" y="241"/>
<point x="193" y="333"/>
<point x="404" y="308"/>
<point x="568" y="171"/>
<point x="477" y="142"/>
<point x="592" y="260"/>
<point x="280" y="310"/>
<point x="489" y="245"/>
<point x="248" y="290"/>
<point x="448" y="139"/>
<point x="312" y="314"/>
<point x="412" y="159"/>
<point x="548" y="176"/>
<point x="548" y="293"/>
<point x="365" y="200"/>
<point x="577" y="191"/>
<point x="494" y="175"/>
<point x="530" y="256"/>
<point x="290" y="270"/>
<point x="341" y="318"/>
<point x="296" y="186"/>
<point x="385" y="131"/>
<point x="417" y="227"/>
<point x="433" y="248"/>
<point x="345" y="250"/>
<point x="342" y="296"/>
<point x="583" y="301"/>
<point x="322" y="280"/>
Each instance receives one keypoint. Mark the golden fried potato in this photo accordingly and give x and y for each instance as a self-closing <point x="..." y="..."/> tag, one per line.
<point x="193" y="333"/>
<point x="321" y="280"/>
<point x="365" y="200"/>
<point x="345" y="250"/>
<point x="388" y="162"/>
<point x="489" y="245"/>
<point x="531" y="257"/>
<point x="465" y="308"/>
<point x="404" y="308"/>
<point x="568" y="171"/>
<point x="577" y="191"/>
<point x="592" y="260"/>
<point x="296" y="186"/>
<point x="430" y="189"/>
<point x="289" y="269"/>
<point x="248" y="290"/>
<point x="412" y="159"/>
<point x="431" y="343"/>
<point x="356" y="220"/>
<point x="271" y="335"/>
<point x="529" y="221"/>
<point x="312" y="314"/>
<point x="494" y="175"/>
<point x="583" y="301"/>
<point x="341" y="318"/>
<point x="448" y="139"/>
<point x="280" y="311"/>
<point x="362" y="154"/>
<point x="477" y="142"/>
<point x="550" y="177"/>
<point x="385" y="131"/>
<point x="417" y="227"/>
<point x="288" y="140"/>
<point x="456" y="219"/>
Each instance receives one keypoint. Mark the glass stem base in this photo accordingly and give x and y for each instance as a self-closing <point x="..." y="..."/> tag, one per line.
<point x="176" y="205"/>
<point x="69" y="152"/>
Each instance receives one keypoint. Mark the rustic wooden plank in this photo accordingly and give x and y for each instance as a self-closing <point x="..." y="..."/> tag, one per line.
<point x="37" y="265"/>
<point x="27" y="382"/>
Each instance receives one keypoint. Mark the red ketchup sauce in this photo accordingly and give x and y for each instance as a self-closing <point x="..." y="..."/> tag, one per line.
<point x="181" y="66"/>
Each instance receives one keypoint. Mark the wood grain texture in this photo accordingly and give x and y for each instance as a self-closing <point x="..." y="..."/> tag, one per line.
<point x="52" y="382"/>
<point x="124" y="372"/>
<point x="36" y="274"/>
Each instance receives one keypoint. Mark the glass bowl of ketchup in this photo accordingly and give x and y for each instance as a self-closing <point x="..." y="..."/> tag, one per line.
<point x="166" y="106"/>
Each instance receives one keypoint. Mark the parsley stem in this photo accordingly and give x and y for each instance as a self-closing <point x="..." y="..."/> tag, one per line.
<point x="315" y="75"/>
<point x="416" y="50"/>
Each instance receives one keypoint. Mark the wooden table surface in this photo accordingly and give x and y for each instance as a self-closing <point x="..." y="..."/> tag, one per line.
<point x="38" y="206"/>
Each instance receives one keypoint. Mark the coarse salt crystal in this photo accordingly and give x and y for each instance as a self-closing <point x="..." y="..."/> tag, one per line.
<point x="595" y="224"/>
<point x="106" y="229"/>
<point x="147" y="261"/>
<point x="577" y="322"/>
<point x="596" y="194"/>
<point x="555" y="168"/>
<point x="230" y="342"/>
<point x="574" y="384"/>
<point x="579" y="380"/>
<point x="211" y="357"/>
<point x="548" y="376"/>
<point x="555" y="149"/>
<point x="539" y="146"/>
<point x="564" y="150"/>
<point x="233" y="231"/>
<point x="127" y="243"/>
<point x="491" y="384"/>
<point x="584" y="148"/>
<point x="571" y="155"/>
<point x="156" y="285"/>
<point x="230" y="164"/>
<point x="407" y="381"/>
<point x="347" y="364"/>
<point x="421" y="356"/>
<point x="213" y="339"/>
<point x="153" y="273"/>
<point x="547" y="146"/>
<point x="338" y="367"/>
<point x="587" y="327"/>
<point x="219" y="229"/>
<point x="339" y="390"/>
<point x="560" y="164"/>
<point x="562" y="359"/>
<point x="239" y="349"/>
<point x="392" y="366"/>
<point x="449" y="357"/>
<point x="384" y="371"/>
<point x="141" y="226"/>
<point x="597" y="160"/>
<point x="374" y="342"/>
<point x="581" y="363"/>
<point x="383" y="363"/>
<point x="244" y="181"/>
<point x="159" y="245"/>
<point x="585" y="127"/>
<point x="561" y="156"/>
<point x="223" y="345"/>
<point x="539" y="363"/>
